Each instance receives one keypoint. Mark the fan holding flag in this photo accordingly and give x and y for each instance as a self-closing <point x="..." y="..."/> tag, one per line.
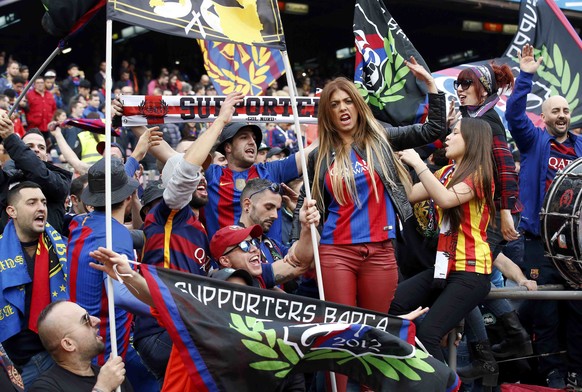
<point x="360" y="188"/>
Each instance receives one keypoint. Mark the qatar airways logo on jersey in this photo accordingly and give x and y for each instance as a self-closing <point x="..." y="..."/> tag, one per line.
<point x="360" y="167"/>
<point x="556" y="163"/>
<point x="357" y="168"/>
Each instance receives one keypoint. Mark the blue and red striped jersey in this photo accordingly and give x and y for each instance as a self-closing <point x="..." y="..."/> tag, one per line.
<point x="176" y="239"/>
<point x="374" y="221"/>
<point x="224" y="188"/>
<point x="87" y="285"/>
<point x="561" y="155"/>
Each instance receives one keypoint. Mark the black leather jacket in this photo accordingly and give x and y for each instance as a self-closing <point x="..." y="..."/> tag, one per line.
<point x="54" y="181"/>
<point x="401" y="138"/>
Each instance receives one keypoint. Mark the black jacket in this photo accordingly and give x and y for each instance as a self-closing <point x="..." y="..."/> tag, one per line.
<point x="54" y="181"/>
<point x="401" y="138"/>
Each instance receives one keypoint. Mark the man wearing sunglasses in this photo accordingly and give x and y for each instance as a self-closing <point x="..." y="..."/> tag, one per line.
<point x="71" y="336"/>
<point x="233" y="247"/>
<point x="544" y="151"/>
<point x="239" y="248"/>
<point x="261" y="202"/>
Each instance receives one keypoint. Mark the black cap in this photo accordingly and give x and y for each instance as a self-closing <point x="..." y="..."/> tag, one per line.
<point x="230" y="131"/>
<point x="101" y="148"/>
<point x="263" y="146"/>
<point x="278" y="150"/>
<point x="227" y="273"/>
<point x="153" y="191"/>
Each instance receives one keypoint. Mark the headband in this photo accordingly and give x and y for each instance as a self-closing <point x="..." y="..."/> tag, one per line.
<point x="486" y="75"/>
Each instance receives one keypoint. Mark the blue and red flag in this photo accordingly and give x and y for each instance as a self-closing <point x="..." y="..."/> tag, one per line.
<point x="544" y="26"/>
<point x="385" y="82"/>
<point x="239" y="67"/>
<point x="241" y="338"/>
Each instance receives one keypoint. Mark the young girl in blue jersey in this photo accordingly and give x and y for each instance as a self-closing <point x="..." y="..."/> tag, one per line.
<point x="359" y="185"/>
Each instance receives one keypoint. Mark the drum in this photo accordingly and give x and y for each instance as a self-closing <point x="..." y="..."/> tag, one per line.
<point x="560" y="222"/>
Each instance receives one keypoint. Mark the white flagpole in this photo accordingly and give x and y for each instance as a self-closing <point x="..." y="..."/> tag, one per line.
<point x="292" y="95"/>
<point x="107" y="154"/>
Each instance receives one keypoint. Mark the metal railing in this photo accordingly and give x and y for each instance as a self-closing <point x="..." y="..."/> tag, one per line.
<point x="544" y="292"/>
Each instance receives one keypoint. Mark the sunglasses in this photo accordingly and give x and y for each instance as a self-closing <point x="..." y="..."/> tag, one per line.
<point x="245" y="245"/>
<point x="85" y="320"/>
<point x="464" y="83"/>
<point x="274" y="187"/>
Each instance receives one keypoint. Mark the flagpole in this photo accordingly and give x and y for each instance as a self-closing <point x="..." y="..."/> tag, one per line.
<point x="291" y="84"/>
<point x="107" y="155"/>
<point x="54" y="54"/>
<point x="292" y="95"/>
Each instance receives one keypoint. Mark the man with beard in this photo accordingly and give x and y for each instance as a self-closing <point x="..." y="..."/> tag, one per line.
<point x="71" y="336"/>
<point x="261" y="201"/>
<point x="544" y="152"/>
<point x="33" y="261"/>
<point x="175" y="237"/>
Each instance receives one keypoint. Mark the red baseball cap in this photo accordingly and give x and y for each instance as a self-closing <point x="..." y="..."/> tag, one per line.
<point x="230" y="236"/>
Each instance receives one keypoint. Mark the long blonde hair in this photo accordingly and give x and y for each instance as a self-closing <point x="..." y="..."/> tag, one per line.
<point x="369" y="135"/>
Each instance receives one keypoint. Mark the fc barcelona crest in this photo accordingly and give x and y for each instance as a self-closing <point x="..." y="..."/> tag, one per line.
<point x="240" y="184"/>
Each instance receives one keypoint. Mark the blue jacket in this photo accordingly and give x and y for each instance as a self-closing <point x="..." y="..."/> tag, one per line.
<point x="534" y="146"/>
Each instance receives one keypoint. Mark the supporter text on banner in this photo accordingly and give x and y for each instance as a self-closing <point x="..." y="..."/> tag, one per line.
<point x="234" y="337"/>
<point x="144" y="110"/>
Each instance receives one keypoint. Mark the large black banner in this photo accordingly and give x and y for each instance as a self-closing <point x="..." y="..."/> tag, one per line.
<point x="239" y="338"/>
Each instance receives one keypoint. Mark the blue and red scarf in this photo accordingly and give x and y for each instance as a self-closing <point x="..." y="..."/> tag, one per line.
<point x="49" y="279"/>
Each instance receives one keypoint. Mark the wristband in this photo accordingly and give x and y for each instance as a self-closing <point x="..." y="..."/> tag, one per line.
<point x="425" y="169"/>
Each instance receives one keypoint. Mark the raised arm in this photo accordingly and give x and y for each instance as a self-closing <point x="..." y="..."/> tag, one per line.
<point x="520" y="126"/>
<point x="442" y="196"/>
<point x="300" y="255"/>
<point x="422" y="74"/>
<point x="186" y="177"/>
<point x="72" y="158"/>
<point x="55" y="182"/>
<point x="162" y="151"/>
